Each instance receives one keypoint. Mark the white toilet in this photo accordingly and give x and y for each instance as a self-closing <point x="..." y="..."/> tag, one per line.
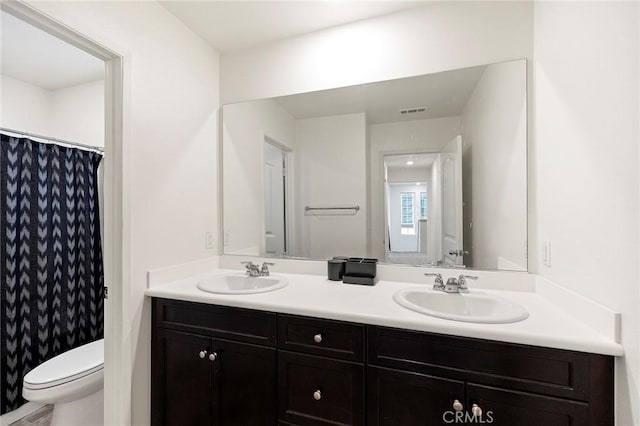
<point x="72" y="382"/>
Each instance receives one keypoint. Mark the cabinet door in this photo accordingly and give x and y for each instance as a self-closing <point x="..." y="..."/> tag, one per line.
<point x="398" y="398"/>
<point x="508" y="408"/>
<point x="181" y="391"/>
<point x="244" y="384"/>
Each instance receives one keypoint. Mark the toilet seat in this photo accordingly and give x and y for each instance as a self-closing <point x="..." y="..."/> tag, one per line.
<point x="67" y="377"/>
<point x="67" y="367"/>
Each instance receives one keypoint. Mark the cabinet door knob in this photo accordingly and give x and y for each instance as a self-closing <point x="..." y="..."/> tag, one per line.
<point x="476" y="410"/>
<point x="202" y="354"/>
<point x="318" y="338"/>
<point x="213" y="356"/>
<point x="317" y="395"/>
<point x="457" y="405"/>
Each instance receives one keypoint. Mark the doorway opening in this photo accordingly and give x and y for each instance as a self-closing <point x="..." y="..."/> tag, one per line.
<point x="115" y="242"/>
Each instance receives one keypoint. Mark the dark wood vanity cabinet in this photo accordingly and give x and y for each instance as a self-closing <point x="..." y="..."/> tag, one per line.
<point x="503" y="383"/>
<point x="200" y="379"/>
<point x="215" y="365"/>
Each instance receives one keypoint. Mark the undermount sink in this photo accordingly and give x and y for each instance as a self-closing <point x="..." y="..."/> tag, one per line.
<point x="241" y="284"/>
<point x="468" y="307"/>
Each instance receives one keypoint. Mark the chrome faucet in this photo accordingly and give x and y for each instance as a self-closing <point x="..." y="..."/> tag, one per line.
<point x="453" y="285"/>
<point x="253" y="270"/>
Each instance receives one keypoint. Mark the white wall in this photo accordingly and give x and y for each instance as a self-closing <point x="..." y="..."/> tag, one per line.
<point x="408" y="174"/>
<point x="331" y="171"/>
<point x="73" y="113"/>
<point x="494" y="123"/>
<point x="402" y="137"/>
<point x="171" y="107"/>
<point x="586" y="107"/>
<point x="245" y="126"/>
<point x="77" y="113"/>
<point x="436" y="37"/>
<point x="24" y="107"/>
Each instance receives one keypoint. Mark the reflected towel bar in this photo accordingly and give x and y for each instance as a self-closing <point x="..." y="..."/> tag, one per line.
<point x="307" y="208"/>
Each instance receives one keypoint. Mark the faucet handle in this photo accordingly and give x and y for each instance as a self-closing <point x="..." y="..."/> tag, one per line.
<point x="439" y="284"/>
<point x="467" y="277"/>
<point x="265" y="268"/>
<point x="462" y="282"/>
<point x="252" y="268"/>
<point x="248" y="264"/>
<point x="432" y="274"/>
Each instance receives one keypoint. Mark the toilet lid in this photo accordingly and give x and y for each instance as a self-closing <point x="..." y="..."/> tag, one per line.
<point x="67" y="366"/>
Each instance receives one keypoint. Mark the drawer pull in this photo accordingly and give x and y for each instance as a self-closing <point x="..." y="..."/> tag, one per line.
<point x="213" y="356"/>
<point x="317" y="395"/>
<point x="318" y="338"/>
<point x="202" y="354"/>
<point x="476" y="410"/>
<point x="457" y="406"/>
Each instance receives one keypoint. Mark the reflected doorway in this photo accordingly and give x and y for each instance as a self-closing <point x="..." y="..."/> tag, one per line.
<point x="410" y="190"/>
<point x="276" y="202"/>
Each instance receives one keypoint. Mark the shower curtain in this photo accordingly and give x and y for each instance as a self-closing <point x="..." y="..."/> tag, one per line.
<point x="51" y="272"/>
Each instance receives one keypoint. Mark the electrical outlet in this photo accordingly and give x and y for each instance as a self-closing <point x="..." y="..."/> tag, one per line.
<point x="209" y="241"/>
<point x="546" y="253"/>
<point x="227" y="238"/>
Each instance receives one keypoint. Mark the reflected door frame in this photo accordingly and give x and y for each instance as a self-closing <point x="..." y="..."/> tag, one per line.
<point x="287" y="154"/>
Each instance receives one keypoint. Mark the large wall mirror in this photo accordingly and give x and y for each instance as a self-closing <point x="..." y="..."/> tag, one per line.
<point x="426" y="170"/>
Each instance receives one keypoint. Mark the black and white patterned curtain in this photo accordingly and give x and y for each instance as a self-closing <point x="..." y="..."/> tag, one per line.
<point x="50" y="257"/>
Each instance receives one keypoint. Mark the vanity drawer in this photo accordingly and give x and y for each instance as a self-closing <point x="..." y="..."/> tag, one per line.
<point x="318" y="391"/>
<point x="217" y="321"/>
<point x="541" y="370"/>
<point x="321" y="337"/>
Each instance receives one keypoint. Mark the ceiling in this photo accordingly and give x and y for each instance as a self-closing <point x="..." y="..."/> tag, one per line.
<point x="36" y="57"/>
<point x="237" y="25"/>
<point x="443" y="94"/>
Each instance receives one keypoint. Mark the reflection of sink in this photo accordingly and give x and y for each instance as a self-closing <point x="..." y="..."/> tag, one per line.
<point x="471" y="307"/>
<point x="241" y="284"/>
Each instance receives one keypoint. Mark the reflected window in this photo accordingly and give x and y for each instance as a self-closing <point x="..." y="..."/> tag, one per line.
<point x="406" y="203"/>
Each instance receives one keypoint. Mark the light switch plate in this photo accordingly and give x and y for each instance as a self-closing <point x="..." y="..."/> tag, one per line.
<point x="209" y="241"/>
<point x="546" y="253"/>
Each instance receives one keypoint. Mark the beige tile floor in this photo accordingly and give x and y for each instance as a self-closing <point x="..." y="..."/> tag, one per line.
<point x="41" y="417"/>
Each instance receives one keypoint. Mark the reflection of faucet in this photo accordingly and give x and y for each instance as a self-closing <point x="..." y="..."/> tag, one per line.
<point x="254" y="270"/>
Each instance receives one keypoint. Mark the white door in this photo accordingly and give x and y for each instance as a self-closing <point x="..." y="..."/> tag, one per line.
<point x="274" y="201"/>
<point x="452" y="203"/>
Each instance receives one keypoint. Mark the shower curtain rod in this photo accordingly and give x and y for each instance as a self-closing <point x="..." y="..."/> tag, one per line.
<point x="50" y="139"/>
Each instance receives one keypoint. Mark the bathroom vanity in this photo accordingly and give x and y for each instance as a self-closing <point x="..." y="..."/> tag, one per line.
<point x="231" y="365"/>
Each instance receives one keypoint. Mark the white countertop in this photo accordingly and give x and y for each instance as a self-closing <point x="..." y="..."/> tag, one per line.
<point x="315" y="296"/>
